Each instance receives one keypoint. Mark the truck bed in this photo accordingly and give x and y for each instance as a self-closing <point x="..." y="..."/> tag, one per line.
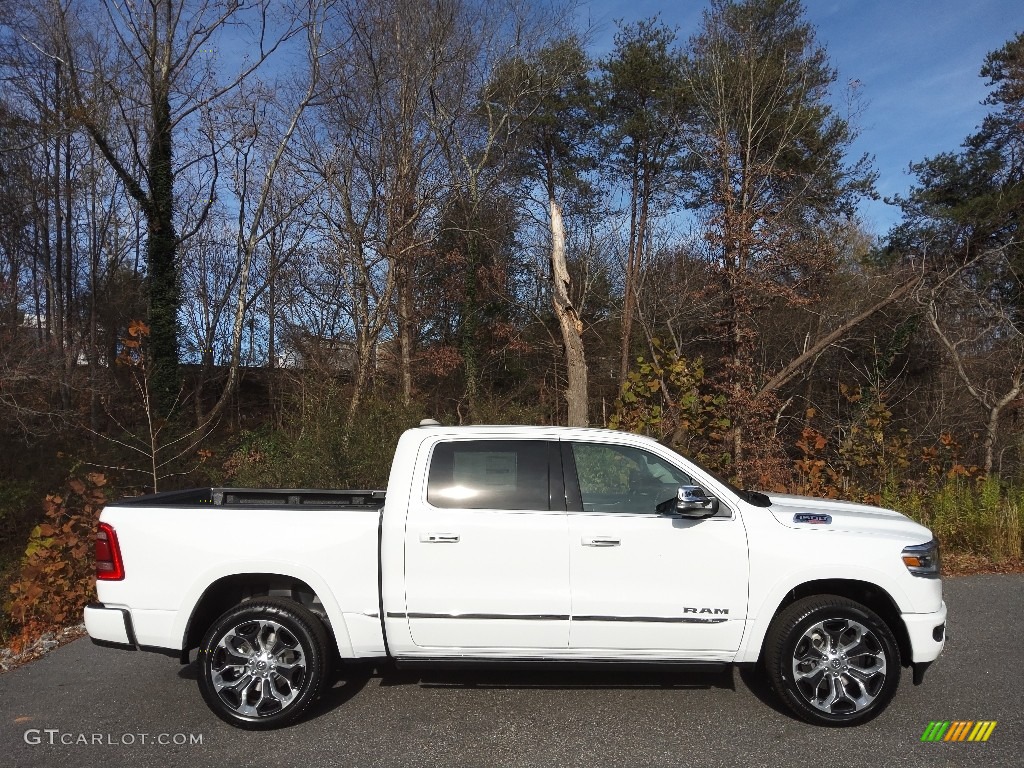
<point x="309" y="498"/>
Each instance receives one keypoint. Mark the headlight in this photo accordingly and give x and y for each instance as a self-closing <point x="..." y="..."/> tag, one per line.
<point x="923" y="559"/>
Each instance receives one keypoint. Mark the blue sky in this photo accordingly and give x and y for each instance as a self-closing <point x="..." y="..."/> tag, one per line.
<point x="917" y="63"/>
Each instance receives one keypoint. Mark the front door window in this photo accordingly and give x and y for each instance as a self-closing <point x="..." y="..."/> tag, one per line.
<point x="620" y="478"/>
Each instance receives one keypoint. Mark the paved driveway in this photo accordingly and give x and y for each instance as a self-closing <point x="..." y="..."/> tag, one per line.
<point x="115" y="700"/>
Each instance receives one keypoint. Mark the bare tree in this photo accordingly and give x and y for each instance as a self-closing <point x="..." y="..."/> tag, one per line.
<point x="140" y="74"/>
<point x="257" y="218"/>
<point x="397" y="53"/>
<point x="979" y="329"/>
<point x="354" y="276"/>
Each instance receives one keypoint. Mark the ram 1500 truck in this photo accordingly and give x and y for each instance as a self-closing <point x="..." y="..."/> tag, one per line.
<point x="520" y="544"/>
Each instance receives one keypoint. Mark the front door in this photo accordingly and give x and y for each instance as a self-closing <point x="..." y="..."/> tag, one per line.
<point x="485" y="556"/>
<point x="643" y="581"/>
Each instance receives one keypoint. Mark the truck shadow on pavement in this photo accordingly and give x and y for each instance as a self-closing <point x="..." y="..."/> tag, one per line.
<point x="351" y="680"/>
<point x="678" y="677"/>
<point x="757" y="683"/>
<point x="344" y="686"/>
<point x="340" y="693"/>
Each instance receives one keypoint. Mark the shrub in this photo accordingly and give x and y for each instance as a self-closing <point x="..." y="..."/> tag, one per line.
<point x="313" y="450"/>
<point x="56" y="577"/>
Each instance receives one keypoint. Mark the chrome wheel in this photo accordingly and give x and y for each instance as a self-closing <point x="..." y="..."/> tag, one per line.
<point x="839" y="666"/>
<point x="832" y="661"/>
<point x="263" y="662"/>
<point x="258" y="668"/>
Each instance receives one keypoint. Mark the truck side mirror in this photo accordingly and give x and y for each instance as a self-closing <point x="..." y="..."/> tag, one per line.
<point x="690" y="502"/>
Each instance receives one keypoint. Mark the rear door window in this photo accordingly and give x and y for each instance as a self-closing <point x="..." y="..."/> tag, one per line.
<point x="489" y="474"/>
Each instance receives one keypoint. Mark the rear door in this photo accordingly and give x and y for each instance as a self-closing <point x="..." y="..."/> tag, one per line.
<point x="644" y="583"/>
<point x="486" y="561"/>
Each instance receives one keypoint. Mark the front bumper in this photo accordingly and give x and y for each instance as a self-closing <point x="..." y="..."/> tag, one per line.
<point x="927" y="633"/>
<point x="110" y="626"/>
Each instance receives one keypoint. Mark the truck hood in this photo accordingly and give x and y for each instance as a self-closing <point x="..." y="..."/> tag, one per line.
<point x="827" y="514"/>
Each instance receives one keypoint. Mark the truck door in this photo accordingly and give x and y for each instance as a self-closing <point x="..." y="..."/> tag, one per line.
<point x="486" y="563"/>
<point x="643" y="581"/>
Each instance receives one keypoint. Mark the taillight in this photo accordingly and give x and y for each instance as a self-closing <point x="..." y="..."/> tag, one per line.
<point x="108" y="555"/>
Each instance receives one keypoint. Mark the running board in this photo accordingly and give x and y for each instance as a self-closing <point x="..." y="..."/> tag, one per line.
<point x="464" y="662"/>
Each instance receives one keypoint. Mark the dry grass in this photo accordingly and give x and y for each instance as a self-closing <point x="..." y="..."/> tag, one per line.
<point x="979" y="523"/>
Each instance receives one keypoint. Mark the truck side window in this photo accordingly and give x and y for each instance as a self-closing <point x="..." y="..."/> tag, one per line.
<point x="489" y="474"/>
<point x="620" y="478"/>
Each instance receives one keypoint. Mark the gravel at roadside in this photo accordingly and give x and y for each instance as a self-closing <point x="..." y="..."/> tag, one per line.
<point x="40" y="647"/>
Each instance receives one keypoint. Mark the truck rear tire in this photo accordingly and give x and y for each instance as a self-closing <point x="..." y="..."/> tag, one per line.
<point x="263" y="663"/>
<point x="832" y="661"/>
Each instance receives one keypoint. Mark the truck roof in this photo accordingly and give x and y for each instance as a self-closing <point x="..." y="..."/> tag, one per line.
<point x="478" y="429"/>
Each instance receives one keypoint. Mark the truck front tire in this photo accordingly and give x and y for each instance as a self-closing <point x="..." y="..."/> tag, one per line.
<point x="832" y="661"/>
<point x="262" y="663"/>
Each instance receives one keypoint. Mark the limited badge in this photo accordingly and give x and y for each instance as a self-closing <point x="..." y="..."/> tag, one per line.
<point x="812" y="518"/>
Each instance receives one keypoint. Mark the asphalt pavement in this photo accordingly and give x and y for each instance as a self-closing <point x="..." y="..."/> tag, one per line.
<point x="82" y="705"/>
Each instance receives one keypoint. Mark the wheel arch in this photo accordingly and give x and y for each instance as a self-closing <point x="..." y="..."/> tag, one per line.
<point x="234" y="589"/>
<point x="866" y="593"/>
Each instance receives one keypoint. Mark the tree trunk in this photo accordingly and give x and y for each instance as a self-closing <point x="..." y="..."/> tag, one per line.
<point x="985" y="399"/>
<point x="272" y="318"/>
<point x="364" y="353"/>
<point x="569" y="323"/>
<point x="991" y="430"/>
<point x="161" y="247"/>
<point x="405" y="326"/>
<point x="71" y="343"/>
<point x="992" y="426"/>
<point x="629" y="287"/>
<point x="467" y="330"/>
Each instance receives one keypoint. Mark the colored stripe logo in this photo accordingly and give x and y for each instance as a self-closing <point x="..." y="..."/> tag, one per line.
<point x="958" y="730"/>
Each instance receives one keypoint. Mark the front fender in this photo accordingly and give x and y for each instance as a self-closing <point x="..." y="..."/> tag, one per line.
<point x="763" y="608"/>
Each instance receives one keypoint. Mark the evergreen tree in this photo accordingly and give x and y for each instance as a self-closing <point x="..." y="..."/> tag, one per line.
<point x="643" y="101"/>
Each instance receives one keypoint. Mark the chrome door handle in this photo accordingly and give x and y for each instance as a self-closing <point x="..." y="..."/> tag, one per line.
<point x="600" y="541"/>
<point x="439" y="538"/>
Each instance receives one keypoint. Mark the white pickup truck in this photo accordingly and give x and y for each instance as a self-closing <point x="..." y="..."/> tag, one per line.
<point x="520" y="544"/>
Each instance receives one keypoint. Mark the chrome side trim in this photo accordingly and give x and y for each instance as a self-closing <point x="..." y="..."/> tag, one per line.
<point x="651" y="619"/>
<point x="648" y="516"/>
<point x="489" y="616"/>
<point x="556" y="617"/>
